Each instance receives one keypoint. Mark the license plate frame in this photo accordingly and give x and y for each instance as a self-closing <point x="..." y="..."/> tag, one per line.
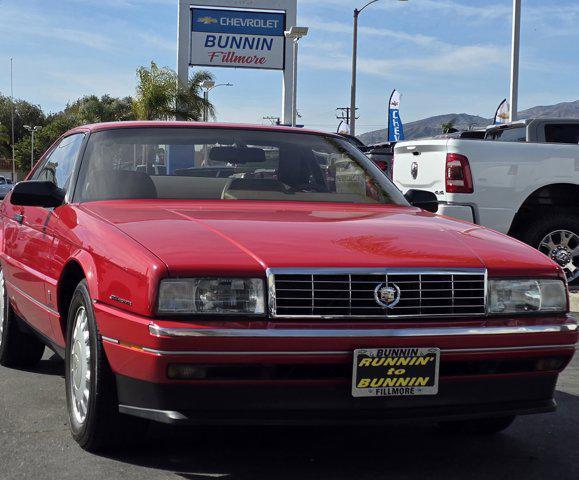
<point x="420" y="376"/>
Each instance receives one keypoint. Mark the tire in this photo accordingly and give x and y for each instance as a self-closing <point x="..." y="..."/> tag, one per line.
<point x="479" y="426"/>
<point x="96" y="423"/>
<point x="17" y="349"/>
<point x="539" y="230"/>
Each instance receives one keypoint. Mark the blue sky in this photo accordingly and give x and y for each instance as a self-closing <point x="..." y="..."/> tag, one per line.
<point x="443" y="55"/>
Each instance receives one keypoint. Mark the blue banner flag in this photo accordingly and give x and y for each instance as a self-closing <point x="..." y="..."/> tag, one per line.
<point x="395" y="126"/>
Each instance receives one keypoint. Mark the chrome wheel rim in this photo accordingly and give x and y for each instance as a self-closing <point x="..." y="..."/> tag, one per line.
<point x="562" y="246"/>
<point x="80" y="371"/>
<point x="2" y="312"/>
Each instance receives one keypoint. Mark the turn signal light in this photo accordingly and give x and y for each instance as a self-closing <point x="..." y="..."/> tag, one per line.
<point x="458" y="174"/>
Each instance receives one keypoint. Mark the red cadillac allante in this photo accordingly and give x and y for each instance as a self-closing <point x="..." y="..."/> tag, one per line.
<point x="208" y="273"/>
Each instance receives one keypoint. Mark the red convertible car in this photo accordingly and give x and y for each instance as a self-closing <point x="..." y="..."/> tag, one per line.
<point x="209" y="273"/>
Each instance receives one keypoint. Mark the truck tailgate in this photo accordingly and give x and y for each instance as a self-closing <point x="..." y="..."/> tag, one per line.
<point x="420" y="165"/>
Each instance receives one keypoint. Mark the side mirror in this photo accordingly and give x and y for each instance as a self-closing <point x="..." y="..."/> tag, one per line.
<point x="422" y="199"/>
<point x="34" y="193"/>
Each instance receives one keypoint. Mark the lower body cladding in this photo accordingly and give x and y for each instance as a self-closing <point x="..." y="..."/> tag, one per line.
<point x="261" y="373"/>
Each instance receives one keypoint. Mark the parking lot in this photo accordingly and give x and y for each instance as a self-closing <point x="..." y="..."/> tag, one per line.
<point x="35" y="443"/>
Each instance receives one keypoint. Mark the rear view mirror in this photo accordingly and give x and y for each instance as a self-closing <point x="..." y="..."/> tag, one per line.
<point x="34" y="193"/>
<point x="237" y="155"/>
<point x="422" y="199"/>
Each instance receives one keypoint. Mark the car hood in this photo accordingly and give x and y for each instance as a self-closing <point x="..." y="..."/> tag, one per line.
<point x="238" y="237"/>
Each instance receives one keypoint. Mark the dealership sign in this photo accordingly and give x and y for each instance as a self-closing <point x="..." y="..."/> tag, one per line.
<point x="237" y="38"/>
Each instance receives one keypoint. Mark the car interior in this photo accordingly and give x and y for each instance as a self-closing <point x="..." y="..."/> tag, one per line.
<point x="240" y="170"/>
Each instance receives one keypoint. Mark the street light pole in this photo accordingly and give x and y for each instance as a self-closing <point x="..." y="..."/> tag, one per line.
<point x="295" y="34"/>
<point x="32" y="130"/>
<point x="352" y="119"/>
<point x="355" y="66"/>
<point x="295" y="83"/>
<point x="12" y="120"/>
<point x="207" y="86"/>
<point x="205" y="111"/>
<point x="515" y="48"/>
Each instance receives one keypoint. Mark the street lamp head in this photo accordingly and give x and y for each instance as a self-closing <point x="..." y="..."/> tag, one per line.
<point x="296" y="33"/>
<point x="207" y="84"/>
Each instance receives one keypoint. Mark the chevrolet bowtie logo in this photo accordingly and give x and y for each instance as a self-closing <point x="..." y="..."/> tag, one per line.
<point x="207" y="20"/>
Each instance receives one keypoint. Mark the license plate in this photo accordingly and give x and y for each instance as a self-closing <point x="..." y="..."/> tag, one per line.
<point x="387" y="372"/>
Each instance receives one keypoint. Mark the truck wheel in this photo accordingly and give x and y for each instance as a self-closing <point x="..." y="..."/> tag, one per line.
<point x="95" y="421"/>
<point x="17" y="349"/>
<point x="557" y="236"/>
<point x="478" y="426"/>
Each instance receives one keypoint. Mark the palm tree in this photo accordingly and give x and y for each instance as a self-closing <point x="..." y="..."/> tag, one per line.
<point x="190" y="102"/>
<point x="159" y="97"/>
<point x="448" y="127"/>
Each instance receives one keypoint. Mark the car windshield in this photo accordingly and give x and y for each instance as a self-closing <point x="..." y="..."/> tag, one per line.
<point x="228" y="164"/>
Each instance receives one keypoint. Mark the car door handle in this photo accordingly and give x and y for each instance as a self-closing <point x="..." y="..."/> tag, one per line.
<point x="18" y="217"/>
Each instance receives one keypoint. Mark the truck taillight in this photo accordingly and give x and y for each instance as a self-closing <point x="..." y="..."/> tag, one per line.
<point x="381" y="164"/>
<point x="458" y="175"/>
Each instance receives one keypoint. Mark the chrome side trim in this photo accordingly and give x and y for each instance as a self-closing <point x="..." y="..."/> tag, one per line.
<point x="271" y="293"/>
<point x="110" y="340"/>
<point x="238" y="353"/>
<point x="152" y="414"/>
<point x="211" y="353"/>
<point x="158" y="331"/>
<point x="50" y="310"/>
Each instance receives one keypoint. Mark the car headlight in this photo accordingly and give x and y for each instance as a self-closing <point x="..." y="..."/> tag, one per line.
<point x="211" y="296"/>
<point x="521" y="296"/>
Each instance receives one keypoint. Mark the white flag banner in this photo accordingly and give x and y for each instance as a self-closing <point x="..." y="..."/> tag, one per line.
<point x="503" y="112"/>
<point x="344" y="128"/>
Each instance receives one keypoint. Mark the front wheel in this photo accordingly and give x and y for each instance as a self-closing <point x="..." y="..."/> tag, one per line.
<point x="95" y="421"/>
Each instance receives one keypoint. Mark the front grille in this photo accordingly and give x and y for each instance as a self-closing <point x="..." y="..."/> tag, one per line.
<point x="330" y="293"/>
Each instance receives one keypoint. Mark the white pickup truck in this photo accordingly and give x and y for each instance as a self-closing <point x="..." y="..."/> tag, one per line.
<point x="521" y="179"/>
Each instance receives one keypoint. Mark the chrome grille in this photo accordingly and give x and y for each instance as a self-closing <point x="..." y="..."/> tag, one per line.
<point x="342" y="294"/>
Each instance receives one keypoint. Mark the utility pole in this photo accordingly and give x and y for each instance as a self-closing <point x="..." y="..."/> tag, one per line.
<point x="345" y="114"/>
<point x="515" y="48"/>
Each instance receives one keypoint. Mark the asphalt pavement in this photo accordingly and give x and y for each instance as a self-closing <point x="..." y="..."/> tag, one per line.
<point x="35" y="444"/>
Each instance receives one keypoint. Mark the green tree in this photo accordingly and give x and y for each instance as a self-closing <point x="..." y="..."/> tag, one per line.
<point x="92" y="109"/>
<point x="190" y="102"/>
<point x="56" y="125"/>
<point x="159" y="97"/>
<point x="5" y="150"/>
<point x="25" y="113"/>
<point x="448" y="127"/>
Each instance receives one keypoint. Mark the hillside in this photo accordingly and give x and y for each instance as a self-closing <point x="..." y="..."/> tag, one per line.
<point x="430" y="126"/>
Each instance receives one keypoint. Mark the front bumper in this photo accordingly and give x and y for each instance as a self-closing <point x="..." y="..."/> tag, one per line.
<point x="289" y="372"/>
<point x="331" y="404"/>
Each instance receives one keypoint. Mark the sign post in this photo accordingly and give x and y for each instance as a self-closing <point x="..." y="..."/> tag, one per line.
<point x="237" y="34"/>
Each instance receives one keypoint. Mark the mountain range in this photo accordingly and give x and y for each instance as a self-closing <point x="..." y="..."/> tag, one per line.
<point x="430" y="126"/>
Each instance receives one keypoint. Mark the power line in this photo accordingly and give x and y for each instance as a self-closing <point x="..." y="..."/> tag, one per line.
<point x="345" y="114"/>
<point x="273" y="120"/>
